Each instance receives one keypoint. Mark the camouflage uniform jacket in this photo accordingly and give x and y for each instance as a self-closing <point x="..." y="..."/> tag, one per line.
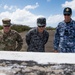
<point x="64" y="40"/>
<point x="11" y="41"/>
<point x="36" y="41"/>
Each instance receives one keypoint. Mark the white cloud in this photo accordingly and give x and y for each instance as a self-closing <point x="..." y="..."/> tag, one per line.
<point x="4" y="15"/>
<point x="69" y="4"/>
<point x="25" y="17"/>
<point x="20" y="16"/>
<point x="6" y="7"/>
<point x="32" y="6"/>
<point x="53" y="20"/>
<point x="73" y="18"/>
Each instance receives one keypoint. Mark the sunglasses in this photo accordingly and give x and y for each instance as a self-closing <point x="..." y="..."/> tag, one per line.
<point x="66" y="14"/>
<point x="6" y="26"/>
<point x="41" y="26"/>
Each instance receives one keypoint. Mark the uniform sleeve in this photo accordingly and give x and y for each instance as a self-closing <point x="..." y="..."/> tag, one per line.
<point x="28" y="36"/>
<point x="56" y="39"/>
<point x="46" y="36"/>
<point x="19" y="42"/>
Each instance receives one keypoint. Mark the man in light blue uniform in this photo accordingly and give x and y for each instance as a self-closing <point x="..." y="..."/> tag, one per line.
<point x="64" y="40"/>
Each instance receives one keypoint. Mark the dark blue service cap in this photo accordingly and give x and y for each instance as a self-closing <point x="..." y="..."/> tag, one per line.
<point x="67" y="10"/>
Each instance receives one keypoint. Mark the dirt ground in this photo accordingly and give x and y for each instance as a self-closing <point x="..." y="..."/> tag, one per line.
<point x="48" y="46"/>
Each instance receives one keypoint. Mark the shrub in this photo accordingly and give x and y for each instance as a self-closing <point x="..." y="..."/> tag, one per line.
<point x="1" y="27"/>
<point x="50" y="28"/>
<point x="20" y="28"/>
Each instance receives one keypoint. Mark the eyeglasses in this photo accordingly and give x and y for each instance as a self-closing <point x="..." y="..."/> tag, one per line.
<point x="41" y="26"/>
<point x="66" y="14"/>
<point x="7" y="26"/>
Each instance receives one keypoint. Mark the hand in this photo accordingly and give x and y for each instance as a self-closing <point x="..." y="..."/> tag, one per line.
<point x="55" y="51"/>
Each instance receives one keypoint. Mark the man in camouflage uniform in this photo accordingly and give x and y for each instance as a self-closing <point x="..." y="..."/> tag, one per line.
<point x="37" y="38"/>
<point x="9" y="39"/>
<point x="65" y="33"/>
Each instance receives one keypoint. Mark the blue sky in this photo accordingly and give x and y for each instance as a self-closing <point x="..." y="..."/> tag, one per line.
<point x="26" y="12"/>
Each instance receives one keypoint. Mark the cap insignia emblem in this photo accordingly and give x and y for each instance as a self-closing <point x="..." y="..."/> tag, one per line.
<point x="67" y="9"/>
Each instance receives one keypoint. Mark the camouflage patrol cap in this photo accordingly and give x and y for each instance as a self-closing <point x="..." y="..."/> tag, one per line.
<point x="67" y="10"/>
<point x="41" y="21"/>
<point x="6" y="22"/>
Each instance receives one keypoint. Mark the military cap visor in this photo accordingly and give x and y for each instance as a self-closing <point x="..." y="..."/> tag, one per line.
<point x="68" y="13"/>
<point x="6" y="24"/>
<point x="41" y="25"/>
